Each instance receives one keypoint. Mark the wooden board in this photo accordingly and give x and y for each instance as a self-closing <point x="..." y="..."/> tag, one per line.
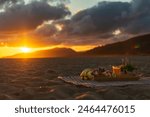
<point x="76" y="80"/>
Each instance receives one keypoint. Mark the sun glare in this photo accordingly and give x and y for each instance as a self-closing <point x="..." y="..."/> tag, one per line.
<point x="25" y="49"/>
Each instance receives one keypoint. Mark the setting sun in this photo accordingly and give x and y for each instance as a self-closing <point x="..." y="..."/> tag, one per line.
<point x="25" y="49"/>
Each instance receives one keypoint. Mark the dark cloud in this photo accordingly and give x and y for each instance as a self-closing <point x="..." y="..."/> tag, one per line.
<point x="99" y="22"/>
<point x="92" y="26"/>
<point x="132" y="18"/>
<point x="3" y="2"/>
<point x="140" y="5"/>
<point x="29" y="16"/>
<point x="139" y="17"/>
<point x="105" y="17"/>
<point x="8" y="1"/>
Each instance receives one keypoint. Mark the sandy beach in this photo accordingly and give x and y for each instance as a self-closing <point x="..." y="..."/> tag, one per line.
<point x="36" y="79"/>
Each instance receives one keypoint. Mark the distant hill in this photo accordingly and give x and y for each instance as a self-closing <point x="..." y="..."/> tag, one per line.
<point x="135" y="46"/>
<point x="56" y="52"/>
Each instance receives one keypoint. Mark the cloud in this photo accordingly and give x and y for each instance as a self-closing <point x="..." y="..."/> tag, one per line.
<point x="98" y="24"/>
<point x="29" y="16"/>
<point x="104" y="17"/>
<point x="139" y="17"/>
<point x="8" y="1"/>
<point x="91" y="26"/>
<point x="132" y="18"/>
<point x="94" y="25"/>
<point x="45" y="30"/>
<point x="59" y="1"/>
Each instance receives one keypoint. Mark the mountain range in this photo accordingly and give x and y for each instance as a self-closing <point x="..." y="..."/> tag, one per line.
<point x="56" y="52"/>
<point x="139" y="45"/>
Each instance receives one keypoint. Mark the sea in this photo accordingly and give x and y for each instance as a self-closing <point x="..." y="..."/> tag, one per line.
<point x="10" y="68"/>
<point x="37" y="78"/>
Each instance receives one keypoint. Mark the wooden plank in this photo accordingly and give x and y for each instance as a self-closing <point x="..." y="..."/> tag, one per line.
<point x="76" y="80"/>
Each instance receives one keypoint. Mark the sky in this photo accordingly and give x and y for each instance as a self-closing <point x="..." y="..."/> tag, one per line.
<point x="76" y="24"/>
<point x="77" y="5"/>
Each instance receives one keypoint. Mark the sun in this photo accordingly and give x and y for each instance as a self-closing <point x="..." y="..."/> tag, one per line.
<point x="25" y="49"/>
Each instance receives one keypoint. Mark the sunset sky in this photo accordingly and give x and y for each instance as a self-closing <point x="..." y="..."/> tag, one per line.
<point x="30" y="25"/>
